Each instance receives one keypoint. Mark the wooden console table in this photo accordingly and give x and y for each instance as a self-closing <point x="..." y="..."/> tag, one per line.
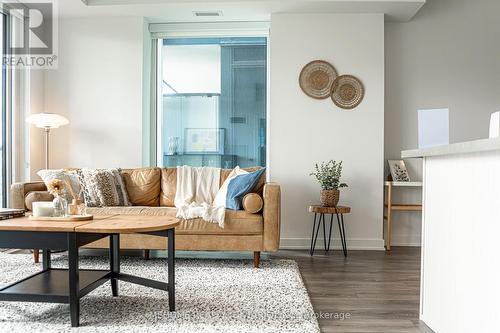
<point x="389" y="206"/>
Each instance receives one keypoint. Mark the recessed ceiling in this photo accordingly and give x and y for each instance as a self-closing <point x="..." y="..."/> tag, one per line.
<point x="234" y="10"/>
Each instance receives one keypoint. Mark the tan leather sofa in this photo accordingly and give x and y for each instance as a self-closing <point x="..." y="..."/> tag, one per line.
<point x="152" y="192"/>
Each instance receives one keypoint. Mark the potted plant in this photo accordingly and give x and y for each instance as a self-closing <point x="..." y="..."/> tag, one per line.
<point x="328" y="175"/>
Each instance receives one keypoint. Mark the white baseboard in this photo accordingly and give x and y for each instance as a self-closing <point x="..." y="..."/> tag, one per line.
<point x="352" y="244"/>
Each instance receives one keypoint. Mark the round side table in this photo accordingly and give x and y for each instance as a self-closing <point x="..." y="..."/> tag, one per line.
<point x="339" y="211"/>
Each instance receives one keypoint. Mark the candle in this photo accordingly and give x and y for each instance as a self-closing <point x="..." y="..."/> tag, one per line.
<point x="43" y="208"/>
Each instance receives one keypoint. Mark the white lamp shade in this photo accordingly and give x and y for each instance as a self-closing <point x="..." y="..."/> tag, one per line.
<point x="47" y="120"/>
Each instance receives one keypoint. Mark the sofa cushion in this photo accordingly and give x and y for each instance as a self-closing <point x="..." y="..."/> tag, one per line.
<point x="236" y="222"/>
<point x="143" y="186"/>
<point x="168" y="186"/>
<point x="130" y="210"/>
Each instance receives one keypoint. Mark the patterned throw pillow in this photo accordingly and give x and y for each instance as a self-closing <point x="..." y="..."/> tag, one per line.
<point x="121" y="189"/>
<point x="104" y="187"/>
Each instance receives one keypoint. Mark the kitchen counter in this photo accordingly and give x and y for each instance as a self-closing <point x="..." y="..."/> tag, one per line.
<point x="459" y="286"/>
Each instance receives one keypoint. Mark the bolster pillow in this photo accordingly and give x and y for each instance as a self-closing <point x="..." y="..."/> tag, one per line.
<point x="252" y="203"/>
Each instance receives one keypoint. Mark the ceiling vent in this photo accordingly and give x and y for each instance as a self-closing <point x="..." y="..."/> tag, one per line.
<point x="207" y="14"/>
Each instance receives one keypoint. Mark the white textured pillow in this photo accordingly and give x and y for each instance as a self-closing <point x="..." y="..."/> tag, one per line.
<point x="220" y="198"/>
<point x="70" y="176"/>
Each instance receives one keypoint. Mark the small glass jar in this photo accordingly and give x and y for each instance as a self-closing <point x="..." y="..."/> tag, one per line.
<point x="82" y="208"/>
<point x="77" y="207"/>
<point x="60" y="206"/>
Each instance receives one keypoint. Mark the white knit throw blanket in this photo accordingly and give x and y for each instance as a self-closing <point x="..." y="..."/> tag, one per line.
<point x="195" y="193"/>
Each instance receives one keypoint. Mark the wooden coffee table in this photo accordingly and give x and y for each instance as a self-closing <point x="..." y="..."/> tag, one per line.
<point x="54" y="285"/>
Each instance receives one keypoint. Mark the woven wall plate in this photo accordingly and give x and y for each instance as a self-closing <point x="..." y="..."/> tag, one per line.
<point x="347" y="92"/>
<point x="316" y="79"/>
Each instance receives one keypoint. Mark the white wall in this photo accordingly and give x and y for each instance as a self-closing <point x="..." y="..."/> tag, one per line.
<point x="35" y="156"/>
<point x="304" y="130"/>
<point x="447" y="56"/>
<point x="99" y="88"/>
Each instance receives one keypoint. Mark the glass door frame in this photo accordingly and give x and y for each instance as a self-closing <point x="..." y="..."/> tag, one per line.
<point x="199" y="30"/>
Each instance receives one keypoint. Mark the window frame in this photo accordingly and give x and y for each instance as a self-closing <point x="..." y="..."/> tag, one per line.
<point x="6" y="113"/>
<point x="160" y="31"/>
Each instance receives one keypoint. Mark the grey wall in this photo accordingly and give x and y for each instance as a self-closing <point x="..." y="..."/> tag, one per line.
<point x="447" y="56"/>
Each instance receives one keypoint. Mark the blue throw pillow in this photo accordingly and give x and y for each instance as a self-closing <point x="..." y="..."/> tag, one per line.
<point x="241" y="185"/>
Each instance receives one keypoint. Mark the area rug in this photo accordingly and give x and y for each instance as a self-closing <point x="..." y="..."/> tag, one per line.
<point x="211" y="296"/>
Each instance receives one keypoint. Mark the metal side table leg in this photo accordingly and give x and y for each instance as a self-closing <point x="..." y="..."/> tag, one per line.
<point x="315" y="234"/>
<point x="324" y="233"/>
<point x="311" y="249"/>
<point x="330" y="233"/>
<point x="342" y="233"/>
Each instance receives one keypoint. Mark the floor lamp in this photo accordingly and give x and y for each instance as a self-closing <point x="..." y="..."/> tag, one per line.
<point x="47" y="121"/>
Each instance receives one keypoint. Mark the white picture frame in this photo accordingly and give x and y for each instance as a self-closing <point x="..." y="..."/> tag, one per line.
<point x="433" y="127"/>
<point x="204" y="141"/>
<point x="399" y="172"/>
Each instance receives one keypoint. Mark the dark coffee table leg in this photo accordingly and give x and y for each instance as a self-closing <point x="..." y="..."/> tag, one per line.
<point x="114" y="260"/>
<point x="74" y="297"/>
<point x="171" y="269"/>
<point x="46" y="262"/>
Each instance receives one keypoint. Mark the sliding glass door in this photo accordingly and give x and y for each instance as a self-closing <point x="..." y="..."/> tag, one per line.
<point x="212" y="109"/>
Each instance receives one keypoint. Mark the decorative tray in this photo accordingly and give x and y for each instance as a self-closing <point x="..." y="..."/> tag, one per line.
<point x="69" y="218"/>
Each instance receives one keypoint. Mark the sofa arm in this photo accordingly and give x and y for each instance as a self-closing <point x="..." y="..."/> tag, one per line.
<point x="272" y="216"/>
<point x="18" y="192"/>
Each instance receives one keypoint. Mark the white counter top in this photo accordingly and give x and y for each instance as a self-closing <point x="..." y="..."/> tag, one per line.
<point x="403" y="184"/>
<point x="455" y="148"/>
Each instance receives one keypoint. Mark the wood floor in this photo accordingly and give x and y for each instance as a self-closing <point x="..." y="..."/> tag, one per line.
<point x="379" y="290"/>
